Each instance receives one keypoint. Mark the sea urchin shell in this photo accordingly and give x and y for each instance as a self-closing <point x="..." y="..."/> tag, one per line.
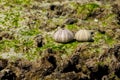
<point x="83" y="35"/>
<point x="63" y="36"/>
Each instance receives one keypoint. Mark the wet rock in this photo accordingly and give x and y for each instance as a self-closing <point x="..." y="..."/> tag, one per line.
<point x="57" y="10"/>
<point x="105" y="54"/>
<point x="118" y="30"/>
<point x="58" y="13"/>
<point x="50" y="56"/>
<point x="23" y="65"/>
<point x="117" y="51"/>
<point x="70" y="21"/>
<point x="117" y="70"/>
<point x="110" y="33"/>
<point x="46" y="67"/>
<point x="52" y="7"/>
<point x="69" y="76"/>
<point x="6" y="35"/>
<point x="101" y="30"/>
<point x="35" y="7"/>
<point x="98" y="74"/>
<point x="21" y="76"/>
<point x="91" y="65"/>
<point x="8" y="75"/>
<point x="52" y="60"/>
<point x="1" y="38"/>
<point x="116" y="10"/>
<point x="1" y="75"/>
<point x="3" y="63"/>
<point x="43" y="25"/>
<point x="68" y="67"/>
<point x="97" y="13"/>
<point x="118" y="17"/>
<point x="63" y="76"/>
<point x="72" y="64"/>
<point x="83" y="76"/>
<point x="39" y="41"/>
<point x="50" y="50"/>
<point x="105" y="78"/>
<point x="50" y="15"/>
<point x="75" y="59"/>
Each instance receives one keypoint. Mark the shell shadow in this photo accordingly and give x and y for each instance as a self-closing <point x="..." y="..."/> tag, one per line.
<point x="74" y="40"/>
<point x="92" y="40"/>
<point x="68" y="42"/>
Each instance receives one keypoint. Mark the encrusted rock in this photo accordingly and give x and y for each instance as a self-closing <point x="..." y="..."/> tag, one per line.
<point x="3" y="63"/>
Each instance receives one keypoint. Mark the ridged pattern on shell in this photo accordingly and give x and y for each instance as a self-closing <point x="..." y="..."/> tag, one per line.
<point x="63" y="36"/>
<point x="83" y="35"/>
